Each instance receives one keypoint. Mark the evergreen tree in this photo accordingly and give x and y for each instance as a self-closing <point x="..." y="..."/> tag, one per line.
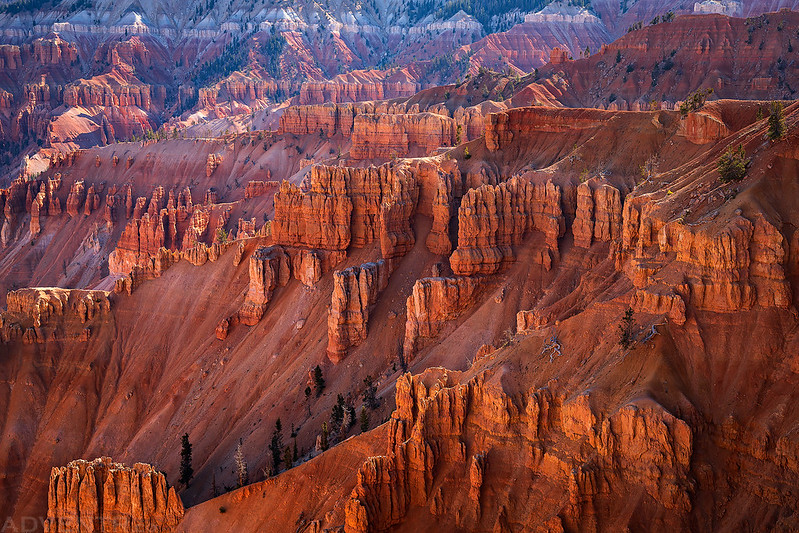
<point x="370" y="394"/>
<point x="337" y="416"/>
<point x="186" y="471"/>
<point x="318" y="381"/>
<point x="364" y="418"/>
<point x="776" y="122"/>
<point x="626" y="329"/>
<point x="287" y="458"/>
<point x="276" y="446"/>
<point x="732" y="165"/>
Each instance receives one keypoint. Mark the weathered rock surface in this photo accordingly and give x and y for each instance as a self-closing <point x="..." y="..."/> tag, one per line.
<point x="41" y="312"/>
<point x="348" y="205"/>
<point x="443" y="425"/>
<point x="433" y="303"/>
<point x="100" y="495"/>
<point x="269" y="268"/>
<point x="382" y="136"/>
<point x="599" y="214"/>
<point x="728" y="266"/>
<point x="492" y="219"/>
<point x="355" y="291"/>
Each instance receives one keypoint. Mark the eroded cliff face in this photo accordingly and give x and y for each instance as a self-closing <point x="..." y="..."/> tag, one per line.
<point x="33" y="314"/>
<point x="492" y="219"/>
<point x="345" y="206"/>
<point x="729" y="265"/>
<point x="442" y="424"/>
<point x="599" y="214"/>
<point x="595" y="435"/>
<point x="101" y="495"/>
<point x="355" y="291"/>
<point x="433" y="303"/>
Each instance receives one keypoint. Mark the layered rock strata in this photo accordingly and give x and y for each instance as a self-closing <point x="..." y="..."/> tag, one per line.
<point x="355" y="291"/>
<point x="492" y="219"/>
<point x="445" y="436"/>
<point x="100" y="495"/>
<point x="599" y="214"/>
<point x="433" y="303"/>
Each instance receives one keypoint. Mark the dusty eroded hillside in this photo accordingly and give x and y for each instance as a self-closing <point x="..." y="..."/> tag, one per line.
<point x="498" y="273"/>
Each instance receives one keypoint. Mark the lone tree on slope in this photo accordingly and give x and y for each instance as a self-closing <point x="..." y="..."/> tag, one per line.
<point x="186" y="471"/>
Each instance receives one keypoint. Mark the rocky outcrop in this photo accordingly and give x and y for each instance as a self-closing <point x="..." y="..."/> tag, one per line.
<point x="433" y="303"/>
<point x="451" y="444"/>
<point x="100" y="495"/>
<point x="599" y="214"/>
<point x="492" y="219"/>
<point x="214" y="160"/>
<point x="168" y="224"/>
<point x="703" y="128"/>
<point x="316" y="218"/>
<point x="257" y="188"/>
<point x="39" y="314"/>
<point x="518" y="124"/>
<point x="38" y="304"/>
<point x="728" y="265"/>
<point x="347" y="205"/>
<point x="440" y="189"/>
<point x="326" y="120"/>
<point x="361" y="85"/>
<point x="355" y="291"/>
<point x="383" y="136"/>
<point x="269" y="269"/>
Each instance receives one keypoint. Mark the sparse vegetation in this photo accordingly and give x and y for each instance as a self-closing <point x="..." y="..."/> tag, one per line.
<point x="323" y="442"/>
<point x="776" y="122"/>
<point x="242" y="475"/>
<point x="626" y="329"/>
<point x="732" y="165"/>
<point x="272" y="49"/>
<point x="695" y="101"/>
<point x="364" y="419"/>
<point x="370" y="399"/>
<point x="318" y="381"/>
<point x="276" y="446"/>
<point x="186" y="471"/>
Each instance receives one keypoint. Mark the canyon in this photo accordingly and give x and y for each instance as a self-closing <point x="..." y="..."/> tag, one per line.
<point x="505" y="302"/>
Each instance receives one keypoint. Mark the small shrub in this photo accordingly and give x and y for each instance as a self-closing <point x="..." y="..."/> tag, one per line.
<point x="222" y="509"/>
<point x="732" y="165"/>
<point x="776" y="122"/>
<point x="695" y="101"/>
<point x="466" y="153"/>
<point x="626" y="329"/>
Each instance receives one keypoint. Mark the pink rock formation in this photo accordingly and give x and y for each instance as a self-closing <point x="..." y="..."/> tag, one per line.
<point x="599" y="214"/>
<point x="442" y="425"/>
<point x="355" y="290"/>
<point x="434" y="302"/>
<point x="101" y="495"/>
<point x="492" y="219"/>
<point x="269" y="269"/>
